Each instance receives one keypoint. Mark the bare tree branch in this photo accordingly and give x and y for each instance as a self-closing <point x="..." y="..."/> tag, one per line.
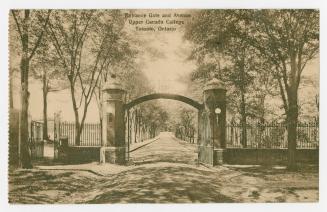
<point x="36" y="45"/>
<point x="17" y="24"/>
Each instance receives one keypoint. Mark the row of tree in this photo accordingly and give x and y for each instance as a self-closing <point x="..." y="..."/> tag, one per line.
<point x="75" y="50"/>
<point x="146" y="121"/>
<point x="257" y="53"/>
<point x="185" y="125"/>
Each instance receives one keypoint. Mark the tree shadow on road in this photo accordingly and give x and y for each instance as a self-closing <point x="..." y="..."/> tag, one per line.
<point x="261" y="171"/>
<point x="162" y="185"/>
<point x="36" y="186"/>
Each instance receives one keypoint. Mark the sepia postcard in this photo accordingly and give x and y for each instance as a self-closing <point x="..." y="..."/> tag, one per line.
<point x="163" y="106"/>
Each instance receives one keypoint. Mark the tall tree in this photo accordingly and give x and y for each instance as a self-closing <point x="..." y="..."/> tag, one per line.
<point x="289" y="39"/>
<point x="31" y="26"/>
<point x="285" y="39"/>
<point x="219" y="52"/>
<point x="84" y="41"/>
<point x="121" y="63"/>
<point x="45" y="68"/>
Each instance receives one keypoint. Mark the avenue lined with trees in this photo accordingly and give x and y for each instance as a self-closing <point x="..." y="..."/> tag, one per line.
<point x="224" y="108"/>
<point x="258" y="54"/>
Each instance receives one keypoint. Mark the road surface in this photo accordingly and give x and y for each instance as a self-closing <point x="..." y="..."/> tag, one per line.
<point x="164" y="171"/>
<point x="166" y="149"/>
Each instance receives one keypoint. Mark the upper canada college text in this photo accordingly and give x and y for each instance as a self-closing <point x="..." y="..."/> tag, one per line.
<point x="156" y="21"/>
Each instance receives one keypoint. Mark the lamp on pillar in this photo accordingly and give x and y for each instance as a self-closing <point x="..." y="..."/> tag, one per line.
<point x="113" y="126"/>
<point x="215" y="103"/>
<point x="217" y="112"/>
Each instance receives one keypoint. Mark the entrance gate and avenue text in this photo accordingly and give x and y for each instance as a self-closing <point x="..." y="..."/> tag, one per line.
<point x="211" y="121"/>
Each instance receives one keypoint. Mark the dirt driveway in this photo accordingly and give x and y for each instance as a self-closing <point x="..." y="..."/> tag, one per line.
<point x="163" y="172"/>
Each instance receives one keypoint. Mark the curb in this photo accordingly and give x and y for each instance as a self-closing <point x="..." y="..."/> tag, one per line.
<point x="136" y="148"/>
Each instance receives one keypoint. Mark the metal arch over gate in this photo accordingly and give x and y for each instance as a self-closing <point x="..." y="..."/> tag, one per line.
<point x="132" y="117"/>
<point x="211" y="121"/>
<point x="153" y="96"/>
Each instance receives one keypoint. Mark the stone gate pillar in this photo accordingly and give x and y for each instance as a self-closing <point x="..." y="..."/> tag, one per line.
<point x="113" y="148"/>
<point x="214" y="95"/>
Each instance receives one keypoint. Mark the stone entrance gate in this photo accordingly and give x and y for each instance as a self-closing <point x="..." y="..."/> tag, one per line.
<point x="211" y="121"/>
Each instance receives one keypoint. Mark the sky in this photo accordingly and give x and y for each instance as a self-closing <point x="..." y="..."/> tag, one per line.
<point x="169" y="64"/>
<point x="165" y="72"/>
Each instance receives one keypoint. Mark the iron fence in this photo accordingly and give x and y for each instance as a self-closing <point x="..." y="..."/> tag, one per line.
<point x="36" y="140"/>
<point x="268" y="135"/>
<point x="90" y="136"/>
<point x="271" y="135"/>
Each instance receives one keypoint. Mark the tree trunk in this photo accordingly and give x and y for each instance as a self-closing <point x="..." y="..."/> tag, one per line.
<point x="292" y="112"/>
<point x="24" y="135"/>
<point x="77" y="133"/>
<point x="262" y="111"/>
<point x="243" y="109"/>
<point x="45" y="106"/>
<point x="135" y="126"/>
<point x="100" y="105"/>
<point x="81" y="126"/>
<point x="77" y="128"/>
<point x="261" y="122"/>
<point x="11" y="98"/>
<point x="101" y="129"/>
<point x="25" y="157"/>
<point x="243" y="121"/>
<point x="77" y="123"/>
<point x="292" y="120"/>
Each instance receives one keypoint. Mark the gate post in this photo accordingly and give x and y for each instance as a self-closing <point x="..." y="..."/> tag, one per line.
<point x="113" y="148"/>
<point x="214" y="95"/>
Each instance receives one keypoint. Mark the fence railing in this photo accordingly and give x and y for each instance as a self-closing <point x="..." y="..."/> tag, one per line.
<point x="36" y="140"/>
<point x="271" y="135"/>
<point x="90" y="136"/>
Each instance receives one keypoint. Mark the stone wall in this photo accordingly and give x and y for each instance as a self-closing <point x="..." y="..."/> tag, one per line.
<point x="80" y="154"/>
<point x="268" y="156"/>
<point x="230" y="156"/>
<point x="205" y="155"/>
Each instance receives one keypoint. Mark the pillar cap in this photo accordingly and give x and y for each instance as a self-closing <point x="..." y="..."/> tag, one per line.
<point x="113" y="84"/>
<point x="215" y="84"/>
